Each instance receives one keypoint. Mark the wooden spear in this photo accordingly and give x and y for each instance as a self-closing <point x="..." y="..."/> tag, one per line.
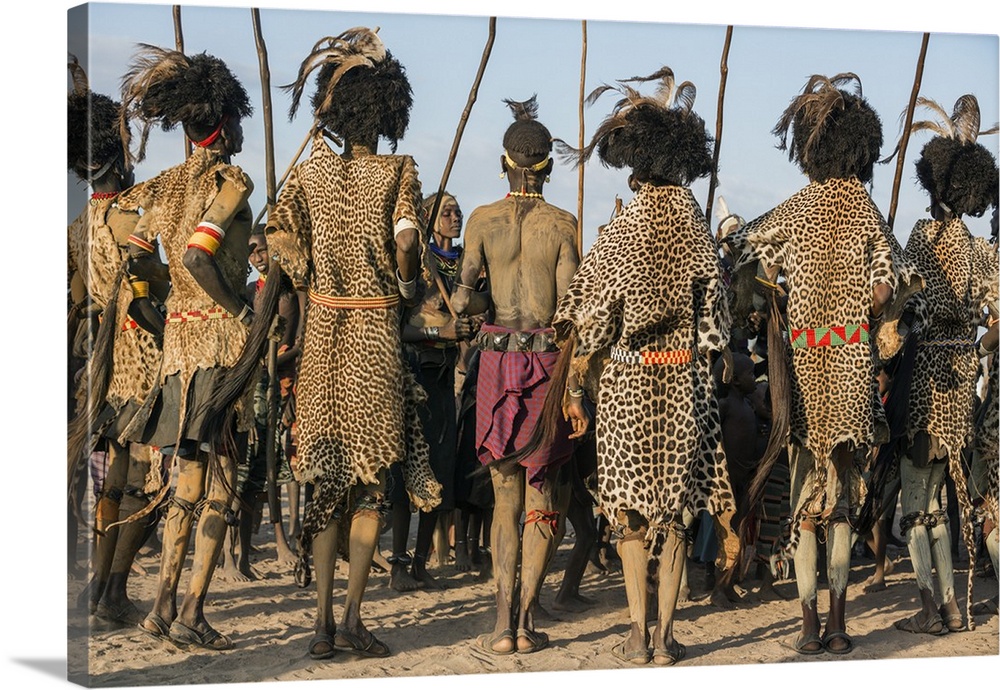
<point x="473" y="93"/>
<point x="906" y="129"/>
<point x="724" y="70"/>
<point x="273" y="391"/>
<point x="579" y="194"/>
<point x="179" y="42"/>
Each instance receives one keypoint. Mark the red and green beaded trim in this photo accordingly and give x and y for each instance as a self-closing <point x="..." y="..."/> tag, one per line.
<point x="825" y="337"/>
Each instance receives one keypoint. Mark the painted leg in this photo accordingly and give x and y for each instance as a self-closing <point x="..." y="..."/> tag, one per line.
<point x="505" y="539"/>
<point x="176" y="535"/>
<point x="115" y="604"/>
<point x="294" y="490"/>
<point x="685" y="593"/>
<point x="190" y="627"/>
<point x="914" y="499"/>
<point x="107" y="512"/>
<point x="838" y="560"/>
<point x="538" y="546"/>
<point x="801" y="464"/>
<point x="634" y="557"/>
<point x="666" y="650"/>
<point x="942" y="552"/>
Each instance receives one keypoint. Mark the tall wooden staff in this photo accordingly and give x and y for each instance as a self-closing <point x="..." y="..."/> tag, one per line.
<point x="906" y="129"/>
<point x="579" y="193"/>
<point x="273" y="391"/>
<point x="724" y="70"/>
<point x="179" y="43"/>
<point x="473" y="93"/>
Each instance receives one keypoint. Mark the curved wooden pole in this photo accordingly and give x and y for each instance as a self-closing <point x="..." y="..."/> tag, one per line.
<point x="918" y="77"/>
<point x="724" y="72"/>
<point x="273" y="390"/>
<point x="473" y="93"/>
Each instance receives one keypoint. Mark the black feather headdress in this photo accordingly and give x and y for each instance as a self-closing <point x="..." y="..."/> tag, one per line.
<point x="168" y="88"/>
<point x="362" y="92"/>
<point x="835" y="133"/>
<point x="93" y="139"/>
<point x="659" y="137"/>
<point x="953" y="168"/>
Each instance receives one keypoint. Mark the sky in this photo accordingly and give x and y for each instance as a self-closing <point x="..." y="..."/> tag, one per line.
<point x="767" y="67"/>
<point x="537" y="50"/>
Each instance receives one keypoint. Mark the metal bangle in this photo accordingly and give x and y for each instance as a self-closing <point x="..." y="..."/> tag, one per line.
<point x="431" y="332"/>
<point x="575" y="392"/>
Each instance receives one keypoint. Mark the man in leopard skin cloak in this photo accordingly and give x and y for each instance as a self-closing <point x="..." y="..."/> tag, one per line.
<point x="211" y="341"/>
<point x="120" y="375"/>
<point x="346" y="228"/>
<point x="960" y="287"/>
<point x="842" y="266"/>
<point x="649" y="294"/>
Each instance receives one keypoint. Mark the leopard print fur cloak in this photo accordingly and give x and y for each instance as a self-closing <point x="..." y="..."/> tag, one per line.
<point x="652" y="281"/>
<point x="98" y="244"/>
<point x="960" y="282"/>
<point x="332" y="232"/>
<point x="173" y="204"/>
<point x="833" y="247"/>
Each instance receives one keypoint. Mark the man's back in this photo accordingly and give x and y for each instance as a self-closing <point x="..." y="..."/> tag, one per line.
<point x="529" y="249"/>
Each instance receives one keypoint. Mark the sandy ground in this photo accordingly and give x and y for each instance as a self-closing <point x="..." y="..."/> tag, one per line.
<point x="430" y="633"/>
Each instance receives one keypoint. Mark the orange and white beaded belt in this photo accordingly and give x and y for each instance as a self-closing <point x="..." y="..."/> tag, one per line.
<point x="343" y="302"/>
<point x="651" y="357"/>
<point x="198" y="315"/>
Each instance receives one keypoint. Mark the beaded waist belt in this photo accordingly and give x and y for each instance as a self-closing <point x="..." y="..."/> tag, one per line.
<point x="338" y="302"/>
<point x="948" y="342"/>
<point x="824" y="337"/>
<point x="198" y="315"/>
<point x="129" y="325"/>
<point x="646" y="357"/>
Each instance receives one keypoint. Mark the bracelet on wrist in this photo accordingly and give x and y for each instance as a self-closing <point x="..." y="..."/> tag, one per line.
<point x="431" y="332"/>
<point x="575" y="392"/>
<point x="407" y="289"/>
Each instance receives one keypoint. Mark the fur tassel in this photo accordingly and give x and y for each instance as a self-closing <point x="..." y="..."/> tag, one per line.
<point x="779" y="385"/>
<point x="93" y="389"/>
<point x="218" y="410"/>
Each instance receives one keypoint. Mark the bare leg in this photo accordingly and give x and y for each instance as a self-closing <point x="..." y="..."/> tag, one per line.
<point x="877" y="543"/>
<point x="294" y="492"/>
<point x="365" y="529"/>
<point x="426" y="525"/>
<point x="463" y="562"/>
<point x="399" y="575"/>
<point x="324" y="552"/>
<point x="581" y="515"/>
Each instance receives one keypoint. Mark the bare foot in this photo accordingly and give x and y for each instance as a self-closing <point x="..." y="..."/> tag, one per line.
<point x="874" y="585"/>
<point x="574" y="603"/>
<point x="424" y="578"/>
<point x="463" y="563"/>
<point x="233" y="573"/>
<point x="684" y="595"/>
<point x="401" y="580"/>
<point x="720" y="600"/>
